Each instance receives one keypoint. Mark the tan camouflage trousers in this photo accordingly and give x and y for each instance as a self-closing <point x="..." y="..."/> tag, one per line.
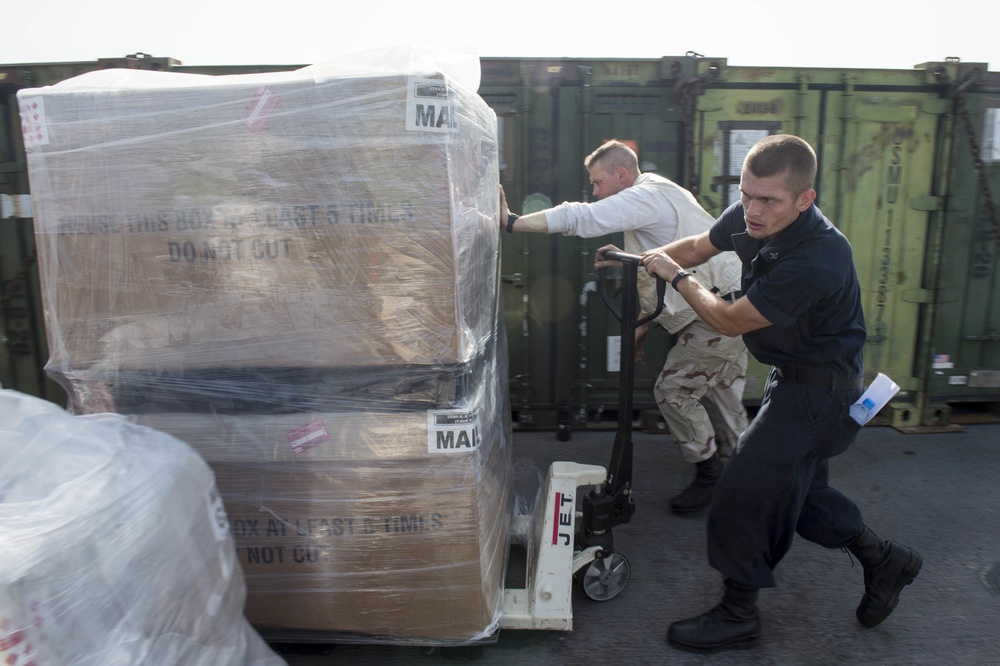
<point x="700" y="392"/>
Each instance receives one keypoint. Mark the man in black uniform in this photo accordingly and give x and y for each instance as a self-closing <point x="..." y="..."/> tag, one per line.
<point x="801" y="313"/>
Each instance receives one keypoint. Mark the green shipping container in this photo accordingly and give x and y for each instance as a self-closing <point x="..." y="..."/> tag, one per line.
<point x="898" y="176"/>
<point x="22" y="325"/>
<point x="961" y="361"/>
<point x="562" y="337"/>
<point x="881" y="137"/>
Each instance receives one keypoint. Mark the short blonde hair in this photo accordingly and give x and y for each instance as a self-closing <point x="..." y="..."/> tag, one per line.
<point x="613" y="154"/>
<point x="784" y="154"/>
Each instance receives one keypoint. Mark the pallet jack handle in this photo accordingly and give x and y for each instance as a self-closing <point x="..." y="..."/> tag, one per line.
<point x="620" y="469"/>
<point x="631" y="275"/>
<point x="613" y="504"/>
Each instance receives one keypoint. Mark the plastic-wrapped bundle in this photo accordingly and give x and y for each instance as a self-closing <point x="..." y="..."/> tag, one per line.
<point x="325" y="217"/>
<point x="115" y="546"/>
<point x="297" y="273"/>
<point x="366" y="526"/>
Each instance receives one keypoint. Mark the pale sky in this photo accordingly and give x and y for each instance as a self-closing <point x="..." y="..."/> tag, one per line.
<point x="891" y="34"/>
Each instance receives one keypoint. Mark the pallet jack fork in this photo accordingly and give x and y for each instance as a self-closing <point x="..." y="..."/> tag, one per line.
<point x="562" y="540"/>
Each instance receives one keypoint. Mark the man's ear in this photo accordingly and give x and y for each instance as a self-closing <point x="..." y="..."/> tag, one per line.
<point x="805" y="199"/>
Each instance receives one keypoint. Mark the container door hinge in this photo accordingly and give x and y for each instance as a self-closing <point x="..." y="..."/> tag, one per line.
<point x="948" y="295"/>
<point x="15" y="205"/>
<point x="917" y="296"/>
<point x="958" y="203"/>
<point x="885" y="113"/>
<point x="932" y="203"/>
<point x="928" y="202"/>
<point x="935" y="106"/>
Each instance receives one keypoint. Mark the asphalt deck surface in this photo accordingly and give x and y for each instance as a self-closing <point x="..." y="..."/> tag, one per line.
<point x="935" y="492"/>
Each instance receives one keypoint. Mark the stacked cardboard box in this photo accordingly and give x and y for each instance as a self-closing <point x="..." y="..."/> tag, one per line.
<point x="297" y="274"/>
<point x="188" y="237"/>
<point x="377" y="522"/>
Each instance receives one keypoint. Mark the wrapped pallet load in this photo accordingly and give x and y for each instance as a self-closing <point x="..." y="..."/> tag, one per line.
<point x="297" y="273"/>
<point x="115" y="546"/>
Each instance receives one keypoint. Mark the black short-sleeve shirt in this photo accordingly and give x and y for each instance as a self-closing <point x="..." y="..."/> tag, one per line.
<point x="804" y="282"/>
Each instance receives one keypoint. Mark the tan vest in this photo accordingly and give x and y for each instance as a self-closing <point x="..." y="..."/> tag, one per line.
<point x="722" y="272"/>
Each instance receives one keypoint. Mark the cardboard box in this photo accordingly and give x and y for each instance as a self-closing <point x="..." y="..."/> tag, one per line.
<point x="282" y="220"/>
<point x="410" y="551"/>
<point x="366" y="525"/>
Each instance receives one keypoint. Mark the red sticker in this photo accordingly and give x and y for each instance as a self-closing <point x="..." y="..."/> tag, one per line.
<point x="259" y="108"/>
<point x="308" y="436"/>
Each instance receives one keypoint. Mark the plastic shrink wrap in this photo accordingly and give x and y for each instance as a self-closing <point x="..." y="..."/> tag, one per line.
<point x="114" y="548"/>
<point x="297" y="274"/>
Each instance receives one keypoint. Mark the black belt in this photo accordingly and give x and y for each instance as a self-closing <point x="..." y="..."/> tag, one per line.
<point x="732" y="296"/>
<point x="835" y="382"/>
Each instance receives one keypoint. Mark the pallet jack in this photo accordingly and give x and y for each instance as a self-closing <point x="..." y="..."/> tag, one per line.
<point x="566" y="543"/>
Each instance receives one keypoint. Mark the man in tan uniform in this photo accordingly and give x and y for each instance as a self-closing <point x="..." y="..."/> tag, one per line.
<point x="653" y="211"/>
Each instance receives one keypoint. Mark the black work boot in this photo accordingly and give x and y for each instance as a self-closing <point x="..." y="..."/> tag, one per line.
<point x="733" y="623"/>
<point x="698" y="495"/>
<point x="889" y="567"/>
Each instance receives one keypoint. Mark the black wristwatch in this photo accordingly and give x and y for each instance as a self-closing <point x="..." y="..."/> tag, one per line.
<point x="510" y="222"/>
<point x="677" y="278"/>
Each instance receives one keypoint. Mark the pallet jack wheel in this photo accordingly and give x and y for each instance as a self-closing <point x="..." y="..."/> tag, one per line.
<point x="606" y="577"/>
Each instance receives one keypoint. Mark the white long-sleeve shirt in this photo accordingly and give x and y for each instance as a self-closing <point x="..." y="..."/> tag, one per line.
<point x="645" y="209"/>
<point x="652" y="212"/>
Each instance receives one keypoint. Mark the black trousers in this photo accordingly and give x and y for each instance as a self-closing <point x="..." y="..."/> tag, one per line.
<point x="777" y="482"/>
